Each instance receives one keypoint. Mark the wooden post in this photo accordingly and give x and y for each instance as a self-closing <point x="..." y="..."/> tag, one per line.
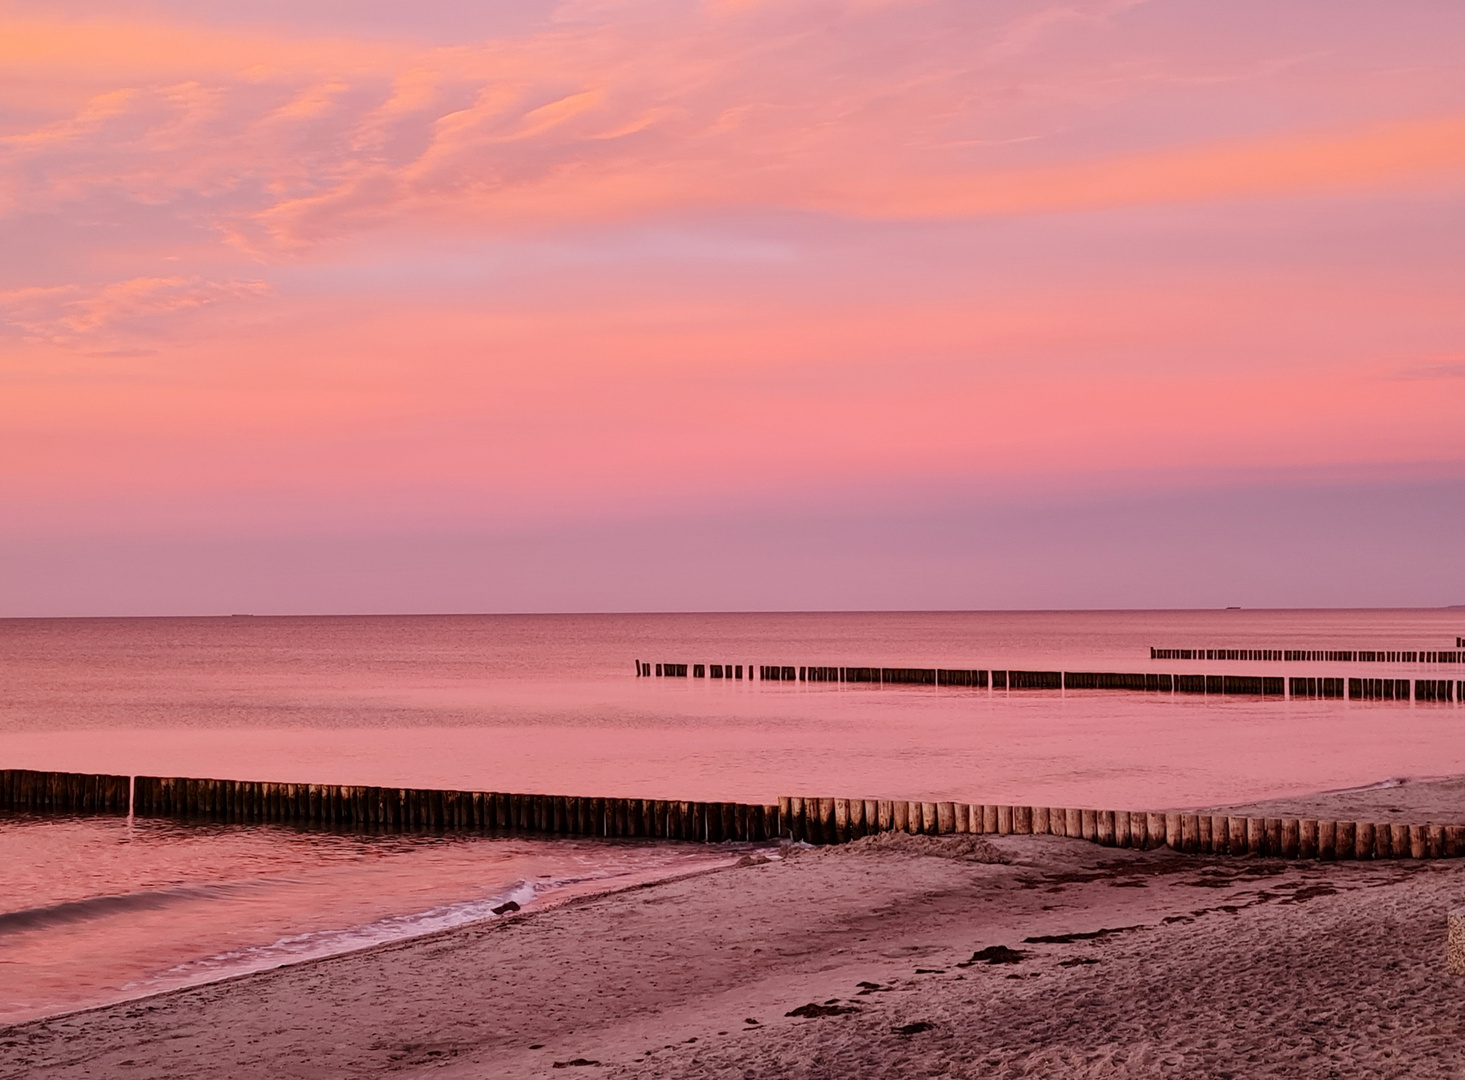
<point x="1022" y="820"/>
<point x="1399" y="841"/>
<point x="1272" y="837"/>
<point x="1383" y="840"/>
<point x="1255" y="835"/>
<point x="1122" y="836"/>
<point x="1345" y="844"/>
<point x="1291" y="837"/>
<point x="1040" y="821"/>
<point x="1155" y="826"/>
<point x="1418" y="842"/>
<point x="1172" y="832"/>
<point x="1139" y="830"/>
<point x="1236" y="832"/>
<point x="785" y="808"/>
<point x="1434" y="841"/>
<point x="915" y="820"/>
<point x="826" y="821"/>
<point x="886" y="815"/>
<point x="729" y="821"/>
<point x="841" y="821"/>
<point x="945" y="818"/>
<point x="1364" y="841"/>
<point x="495" y="810"/>
<point x="1190" y="833"/>
<point x="1088" y="825"/>
<point x="1057" y="821"/>
<point x="900" y="816"/>
<point x="1454" y="841"/>
<point x="989" y="818"/>
<point x="1104" y="828"/>
<point x="960" y="822"/>
<point x="1072" y="822"/>
<point x="1004" y="820"/>
<point x="872" y="817"/>
<point x="1327" y="839"/>
<point x="1307" y="839"/>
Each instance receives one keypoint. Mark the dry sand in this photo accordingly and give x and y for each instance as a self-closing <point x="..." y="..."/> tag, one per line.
<point x="1154" y="965"/>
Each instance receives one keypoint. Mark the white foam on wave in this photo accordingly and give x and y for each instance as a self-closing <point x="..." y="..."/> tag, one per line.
<point x="317" y="944"/>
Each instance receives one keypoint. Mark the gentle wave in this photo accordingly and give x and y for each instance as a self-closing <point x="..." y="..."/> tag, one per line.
<point x="99" y="907"/>
<point x="317" y="944"/>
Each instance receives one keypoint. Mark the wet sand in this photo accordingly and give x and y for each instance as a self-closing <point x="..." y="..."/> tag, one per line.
<point x="1121" y="964"/>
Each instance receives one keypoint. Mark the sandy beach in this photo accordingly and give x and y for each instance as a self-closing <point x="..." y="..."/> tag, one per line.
<point x="905" y="956"/>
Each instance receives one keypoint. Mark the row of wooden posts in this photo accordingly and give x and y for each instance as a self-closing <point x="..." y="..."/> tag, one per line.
<point x="1149" y="682"/>
<point x="800" y="818"/>
<point x="1359" y="656"/>
<point x="836" y="821"/>
<point x="387" y="809"/>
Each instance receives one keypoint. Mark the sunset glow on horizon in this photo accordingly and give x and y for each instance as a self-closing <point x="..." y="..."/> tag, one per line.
<point x="613" y="305"/>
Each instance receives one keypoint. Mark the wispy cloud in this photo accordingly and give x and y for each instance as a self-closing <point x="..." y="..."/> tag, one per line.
<point x="64" y="313"/>
<point x="281" y="142"/>
<point x="1454" y="370"/>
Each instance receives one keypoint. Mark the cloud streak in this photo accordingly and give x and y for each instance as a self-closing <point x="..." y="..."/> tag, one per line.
<point x="294" y="141"/>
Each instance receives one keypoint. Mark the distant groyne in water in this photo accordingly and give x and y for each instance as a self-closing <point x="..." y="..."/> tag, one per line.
<point x="1291" y="656"/>
<point x="1279" y="686"/>
<point x="808" y="819"/>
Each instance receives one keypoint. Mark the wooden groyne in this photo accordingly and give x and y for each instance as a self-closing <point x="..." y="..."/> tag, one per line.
<point x="385" y="809"/>
<point x="1352" y="689"/>
<point x="810" y="819"/>
<point x="1290" y="656"/>
<point x="63" y="792"/>
<point x="837" y="821"/>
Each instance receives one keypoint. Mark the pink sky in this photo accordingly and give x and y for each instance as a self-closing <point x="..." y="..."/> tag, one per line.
<point x="369" y="305"/>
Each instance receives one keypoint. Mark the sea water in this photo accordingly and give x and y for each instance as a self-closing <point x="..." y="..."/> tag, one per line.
<point x="99" y="909"/>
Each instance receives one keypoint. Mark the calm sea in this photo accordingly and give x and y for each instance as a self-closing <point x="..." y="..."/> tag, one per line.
<point x="96" y="910"/>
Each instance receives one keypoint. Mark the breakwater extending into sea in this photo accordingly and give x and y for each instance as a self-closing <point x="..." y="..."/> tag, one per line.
<point x="807" y="819"/>
<point x="1295" y="686"/>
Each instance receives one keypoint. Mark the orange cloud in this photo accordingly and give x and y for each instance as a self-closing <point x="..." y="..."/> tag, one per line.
<point x="601" y="120"/>
<point x="59" y="314"/>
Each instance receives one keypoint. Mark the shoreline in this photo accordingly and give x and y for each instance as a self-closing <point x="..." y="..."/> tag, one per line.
<point x="872" y="940"/>
<point x="567" y="895"/>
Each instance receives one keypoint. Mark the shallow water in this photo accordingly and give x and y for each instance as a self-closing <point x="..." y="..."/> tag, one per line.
<point x="94" y="909"/>
<point x="102" y="909"/>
